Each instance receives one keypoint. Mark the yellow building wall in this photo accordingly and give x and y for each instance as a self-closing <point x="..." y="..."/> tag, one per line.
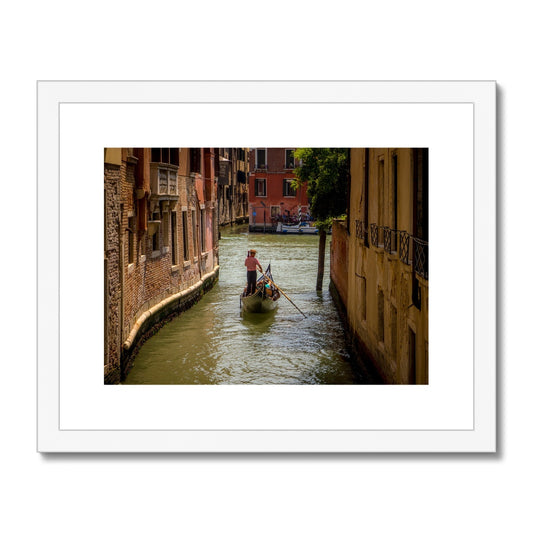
<point x="384" y="323"/>
<point x="113" y="156"/>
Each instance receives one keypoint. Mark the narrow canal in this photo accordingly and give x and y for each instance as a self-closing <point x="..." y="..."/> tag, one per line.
<point x="214" y="343"/>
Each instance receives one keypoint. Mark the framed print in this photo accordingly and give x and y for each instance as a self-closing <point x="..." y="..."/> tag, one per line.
<point x="156" y="333"/>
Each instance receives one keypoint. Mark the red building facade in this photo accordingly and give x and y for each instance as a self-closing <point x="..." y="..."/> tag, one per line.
<point x="271" y="197"/>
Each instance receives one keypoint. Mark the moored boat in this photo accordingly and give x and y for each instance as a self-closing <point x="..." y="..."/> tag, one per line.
<point x="307" y="228"/>
<point x="303" y="227"/>
<point x="264" y="299"/>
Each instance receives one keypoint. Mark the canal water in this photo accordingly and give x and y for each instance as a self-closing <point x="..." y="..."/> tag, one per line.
<point x="214" y="342"/>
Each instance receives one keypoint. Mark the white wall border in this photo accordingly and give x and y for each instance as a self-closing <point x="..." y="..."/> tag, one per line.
<point x="479" y="437"/>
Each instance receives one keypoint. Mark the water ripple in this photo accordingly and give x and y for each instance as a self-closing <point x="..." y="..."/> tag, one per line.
<point x="215" y="343"/>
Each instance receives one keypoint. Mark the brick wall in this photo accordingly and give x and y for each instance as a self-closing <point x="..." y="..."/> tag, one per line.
<point x="140" y="278"/>
<point x="112" y="274"/>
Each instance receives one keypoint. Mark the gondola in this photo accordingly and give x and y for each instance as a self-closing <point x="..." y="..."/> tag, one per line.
<point x="265" y="298"/>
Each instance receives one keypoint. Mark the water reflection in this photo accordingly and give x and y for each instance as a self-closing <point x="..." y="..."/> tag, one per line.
<point x="258" y="323"/>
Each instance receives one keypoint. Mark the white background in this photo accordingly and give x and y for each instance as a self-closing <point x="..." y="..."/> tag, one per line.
<point x="278" y="40"/>
<point x="444" y="128"/>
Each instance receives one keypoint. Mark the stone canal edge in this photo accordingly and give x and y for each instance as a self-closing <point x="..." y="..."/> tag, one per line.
<point x="157" y="316"/>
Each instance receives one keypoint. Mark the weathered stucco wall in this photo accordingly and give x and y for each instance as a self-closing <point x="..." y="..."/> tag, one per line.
<point x="339" y="259"/>
<point x="387" y="301"/>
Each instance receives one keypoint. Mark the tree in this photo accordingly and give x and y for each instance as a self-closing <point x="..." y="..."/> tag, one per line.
<point x="326" y="171"/>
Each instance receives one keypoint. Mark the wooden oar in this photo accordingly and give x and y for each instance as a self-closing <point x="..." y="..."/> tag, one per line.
<point x="264" y="275"/>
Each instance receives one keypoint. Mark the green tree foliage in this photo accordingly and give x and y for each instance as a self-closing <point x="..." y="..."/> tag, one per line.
<point x="326" y="172"/>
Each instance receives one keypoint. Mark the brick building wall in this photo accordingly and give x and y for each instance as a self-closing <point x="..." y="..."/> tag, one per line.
<point x="154" y="249"/>
<point x="112" y="277"/>
<point x="128" y="211"/>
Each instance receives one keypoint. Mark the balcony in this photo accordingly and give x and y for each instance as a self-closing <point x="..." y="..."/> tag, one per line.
<point x="411" y="250"/>
<point x="405" y="240"/>
<point x="390" y="237"/>
<point x="164" y="180"/>
<point x="375" y="231"/>
<point x="421" y="257"/>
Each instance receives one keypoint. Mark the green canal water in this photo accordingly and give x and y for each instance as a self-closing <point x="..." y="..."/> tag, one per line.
<point x="215" y="343"/>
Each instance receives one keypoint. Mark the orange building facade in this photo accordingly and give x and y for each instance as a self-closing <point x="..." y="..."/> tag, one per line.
<point x="271" y="196"/>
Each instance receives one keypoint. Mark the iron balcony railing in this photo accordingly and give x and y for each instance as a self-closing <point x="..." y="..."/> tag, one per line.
<point x="390" y="238"/>
<point x="374" y="234"/>
<point x="411" y="250"/>
<point x="360" y="230"/>
<point x="405" y="249"/>
<point x="421" y="257"/>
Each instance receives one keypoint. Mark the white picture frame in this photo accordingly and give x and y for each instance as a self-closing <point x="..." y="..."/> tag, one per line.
<point x="456" y="412"/>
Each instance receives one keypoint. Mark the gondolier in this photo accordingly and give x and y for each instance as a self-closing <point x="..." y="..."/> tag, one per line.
<point x="252" y="264"/>
<point x="265" y="297"/>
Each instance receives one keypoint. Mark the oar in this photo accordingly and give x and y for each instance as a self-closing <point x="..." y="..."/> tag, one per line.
<point x="284" y="294"/>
